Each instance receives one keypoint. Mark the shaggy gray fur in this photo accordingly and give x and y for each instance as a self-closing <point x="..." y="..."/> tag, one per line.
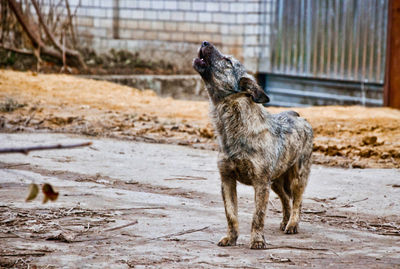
<point x="256" y="148"/>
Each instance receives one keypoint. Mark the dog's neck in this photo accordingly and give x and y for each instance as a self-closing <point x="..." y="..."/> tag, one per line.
<point x="235" y="117"/>
<point x="219" y="94"/>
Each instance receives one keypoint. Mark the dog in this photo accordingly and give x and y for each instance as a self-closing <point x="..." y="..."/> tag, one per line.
<point x="255" y="147"/>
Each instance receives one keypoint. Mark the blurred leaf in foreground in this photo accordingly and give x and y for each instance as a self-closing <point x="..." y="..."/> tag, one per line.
<point x="49" y="193"/>
<point x="33" y="192"/>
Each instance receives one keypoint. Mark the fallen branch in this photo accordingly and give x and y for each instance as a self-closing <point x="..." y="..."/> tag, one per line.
<point x="336" y="216"/>
<point x="182" y="233"/>
<point x="122" y="226"/>
<point x="186" y="178"/>
<point x="135" y="208"/>
<point x="299" y="248"/>
<point x="26" y="150"/>
<point x="322" y="199"/>
<point x="313" y="212"/>
<point x="19" y="51"/>
<point x="13" y="165"/>
<point x="90" y="239"/>
<point x="353" y="202"/>
<point x="22" y="254"/>
<point x="390" y="233"/>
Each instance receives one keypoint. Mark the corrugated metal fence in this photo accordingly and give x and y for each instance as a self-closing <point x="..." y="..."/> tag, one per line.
<point x="315" y="42"/>
<point x="335" y="39"/>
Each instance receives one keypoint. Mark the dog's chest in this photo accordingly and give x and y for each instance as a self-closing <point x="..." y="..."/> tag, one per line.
<point x="242" y="170"/>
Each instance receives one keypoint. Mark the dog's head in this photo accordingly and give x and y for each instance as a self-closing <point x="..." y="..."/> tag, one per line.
<point x="224" y="75"/>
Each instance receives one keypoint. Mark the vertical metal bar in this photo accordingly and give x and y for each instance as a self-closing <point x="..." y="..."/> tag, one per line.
<point x="281" y="36"/>
<point x="272" y="37"/>
<point x="364" y="35"/>
<point x="343" y="36"/>
<point x="288" y="37"/>
<point x="374" y="7"/>
<point x="296" y="35"/>
<point x="353" y="34"/>
<point x="336" y="38"/>
<point x="309" y="37"/>
<point x="385" y="33"/>
<point x="357" y="41"/>
<point x="302" y="37"/>
<point x="315" y="33"/>
<point x="322" y="35"/>
<point x="378" y="34"/>
<point x="388" y="68"/>
<point x="329" y="38"/>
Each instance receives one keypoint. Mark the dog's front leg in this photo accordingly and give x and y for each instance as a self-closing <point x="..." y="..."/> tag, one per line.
<point x="261" y="196"/>
<point x="228" y="189"/>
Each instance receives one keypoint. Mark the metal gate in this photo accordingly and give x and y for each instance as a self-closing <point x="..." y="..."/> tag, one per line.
<point x="331" y="40"/>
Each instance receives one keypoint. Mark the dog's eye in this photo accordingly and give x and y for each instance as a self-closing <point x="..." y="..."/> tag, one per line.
<point x="228" y="60"/>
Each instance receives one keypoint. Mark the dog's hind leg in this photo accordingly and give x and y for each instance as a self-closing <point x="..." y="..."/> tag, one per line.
<point x="298" y="181"/>
<point x="278" y="188"/>
<point x="261" y="196"/>
<point x="229" y="195"/>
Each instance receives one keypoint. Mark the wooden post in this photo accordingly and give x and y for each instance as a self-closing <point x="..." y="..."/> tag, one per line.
<point x="392" y="74"/>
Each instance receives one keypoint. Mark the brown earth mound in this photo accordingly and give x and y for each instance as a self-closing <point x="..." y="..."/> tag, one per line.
<point x="344" y="136"/>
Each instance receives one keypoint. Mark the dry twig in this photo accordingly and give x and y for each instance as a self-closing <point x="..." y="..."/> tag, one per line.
<point x="22" y="254"/>
<point x="26" y="150"/>
<point x="122" y="226"/>
<point x="353" y="202"/>
<point x="183" y="232"/>
<point x="299" y="248"/>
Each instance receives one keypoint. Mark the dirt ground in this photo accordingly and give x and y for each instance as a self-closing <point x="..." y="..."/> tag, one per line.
<point x="344" y="136"/>
<point x="127" y="204"/>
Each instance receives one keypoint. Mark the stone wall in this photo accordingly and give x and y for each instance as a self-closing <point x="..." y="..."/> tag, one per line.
<point x="171" y="30"/>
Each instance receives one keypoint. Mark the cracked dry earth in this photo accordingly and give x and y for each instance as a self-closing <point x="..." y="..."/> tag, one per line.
<point x="126" y="204"/>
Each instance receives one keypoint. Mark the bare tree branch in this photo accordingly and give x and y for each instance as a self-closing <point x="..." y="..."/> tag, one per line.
<point x="71" y="27"/>
<point x="26" y="150"/>
<point x="20" y="51"/>
<point x="35" y="38"/>
<point x="52" y="39"/>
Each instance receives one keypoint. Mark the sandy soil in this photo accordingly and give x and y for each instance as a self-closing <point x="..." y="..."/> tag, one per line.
<point x="344" y="136"/>
<point x="125" y="204"/>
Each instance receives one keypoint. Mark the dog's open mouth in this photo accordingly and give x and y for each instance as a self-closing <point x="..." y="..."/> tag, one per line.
<point x="200" y="62"/>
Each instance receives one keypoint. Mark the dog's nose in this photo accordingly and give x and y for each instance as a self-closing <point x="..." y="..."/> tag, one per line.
<point x="205" y="44"/>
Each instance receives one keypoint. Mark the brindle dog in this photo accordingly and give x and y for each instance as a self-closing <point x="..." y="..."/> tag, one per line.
<point x="255" y="147"/>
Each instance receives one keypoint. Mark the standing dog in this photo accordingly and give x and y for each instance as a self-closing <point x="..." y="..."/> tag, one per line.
<point x="255" y="147"/>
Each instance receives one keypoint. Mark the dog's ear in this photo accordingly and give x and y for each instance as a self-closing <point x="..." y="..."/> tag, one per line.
<point x="248" y="85"/>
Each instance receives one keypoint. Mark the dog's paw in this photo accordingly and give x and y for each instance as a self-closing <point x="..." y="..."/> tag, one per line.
<point x="227" y="241"/>
<point x="283" y="225"/>
<point x="258" y="242"/>
<point x="292" y="228"/>
<point x="258" y="245"/>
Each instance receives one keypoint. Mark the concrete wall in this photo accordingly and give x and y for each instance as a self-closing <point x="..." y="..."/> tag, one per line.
<point x="172" y="30"/>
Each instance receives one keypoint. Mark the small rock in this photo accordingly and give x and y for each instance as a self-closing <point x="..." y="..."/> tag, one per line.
<point x="369" y="140"/>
